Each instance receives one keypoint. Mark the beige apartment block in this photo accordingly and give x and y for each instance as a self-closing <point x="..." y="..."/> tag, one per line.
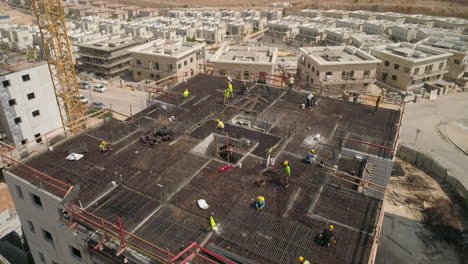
<point x="352" y="23"/>
<point x="131" y="10"/>
<point x="107" y="58"/>
<point x="78" y="11"/>
<point x="453" y="23"/>
<point x="147" y="12"/>
<point x="341" y="67"/>
<point x="100" y="4"/>
<point x="339" y="36"/>
<point x="457" y="45"/>
<point x="424" y="20"/>
<point x="272" y="14"/>
<point x="211" y="34"/>
<point x="162" y="58"/>
<point x="244" y="63"/>
<point x="115" y="6"/>
<point x="242" y="29"/>
<point x="408" y="66"/>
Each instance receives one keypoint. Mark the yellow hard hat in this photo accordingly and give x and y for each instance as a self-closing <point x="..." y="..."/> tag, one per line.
<point x="285" y="162"/>
<point x="301" y="258"/>
<point x="312" y="150"/>
<point x="229" y="82"/>
<point x="313" y="93"/>
<point x="186" y="89"/>
<point x="225" y="75"/>
<point x="380" y="95"/>
<point x="217" y="120"/>
<point x="245" y="83"/>
<point x="331" y="227"/>
<point x="260" y="198"/>
<point x="103" y="143"/>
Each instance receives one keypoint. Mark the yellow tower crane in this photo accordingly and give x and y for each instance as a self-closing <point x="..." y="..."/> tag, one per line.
<point x="56" y="47"/>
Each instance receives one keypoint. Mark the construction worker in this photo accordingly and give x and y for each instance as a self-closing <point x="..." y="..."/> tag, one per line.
<point x="212" y="221"/>
<point x="220" y="125"/>
<point x="327" y="236"/>
<point x="27" y="55"/>
<point x="244" y="89"/>
<point x="260" y="203"/>
<point x="35" y="55"/>
<point x="226" y="95"/>
<point x="302" y="260"/>
<point x="185" y="94"/>
<point x="103" y="146"/>
<point x="377" y="103"/>
<point x="310" y="100"/>
<point x="231" y="91"/>
<point x="287" y="173"/>
<point x="228" y="77"/>
<point x="291" y="82"/>
<point x="311" y="157"/>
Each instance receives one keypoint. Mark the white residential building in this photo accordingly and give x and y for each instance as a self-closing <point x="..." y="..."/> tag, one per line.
<point x="339" y="36"/>
<point x="365" y="42"/>
<point x="342" y="67"/>
<point x="352" y="23"/>
<point x="364" y="15"/>
<point x="452" y="23"/>
<point x="212" y="35"/>
<point x="162" y="58"/>
<point x="272" y="14"/>
<point x="390" y="16"/>
<point x="456" y="44"/>
<point x="28" y="110"/>
<point x="243" y="62"/>
<point x="405" y="32"/>
<point x="281" y="31"/>
<point x="339" y="14"/>
<point x="310" y="34"/>
<point x="378" y="27"/>
<point x="409" y="66"/>
<point x="16" y="36"/>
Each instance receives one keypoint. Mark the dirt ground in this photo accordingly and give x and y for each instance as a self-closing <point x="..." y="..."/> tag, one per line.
<point x="410" y="191"/>
<point x="456" y="8"/>
<point x="17" y="16"/>
<point x="5" y="198"/>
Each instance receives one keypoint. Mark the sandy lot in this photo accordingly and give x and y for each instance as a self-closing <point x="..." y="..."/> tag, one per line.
<point x="5" y="198"/>
<point x="458" y="8"/>
<point x="17" y="16"/>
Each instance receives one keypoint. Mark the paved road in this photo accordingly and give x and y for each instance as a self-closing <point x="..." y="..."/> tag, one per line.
<point x="428" y="116"/>
<point x="122" y="100"/>
<point x="406" y="240"/>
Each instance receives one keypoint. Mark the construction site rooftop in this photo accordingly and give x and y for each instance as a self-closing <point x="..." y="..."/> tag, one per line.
<point x="338" y="55"/>
<point x="14" y="61"/>
<point x="245" y="54"/>
<point x="155" y="188"/>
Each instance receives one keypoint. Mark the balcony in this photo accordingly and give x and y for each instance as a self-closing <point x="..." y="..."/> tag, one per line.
<point x="428" y="73"/>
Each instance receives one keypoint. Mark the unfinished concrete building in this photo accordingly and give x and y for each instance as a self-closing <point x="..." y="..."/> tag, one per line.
<point x="161" y="58"/>
<point x="340" y="36"/>
<point x="148" y="193"/>
<point x="407" y="66"/>
<point x="364" y="15"/>
<point x="107" y="59"/>
<point x="341" y="67"/>
<point x="243" y="62"/>
<point x="16" y="36"/>
<point x="390" y="16"/>
<point x="272" y="14"/>
<point x="310" y="34"/>
<point x="281" y="31"/>
<point x="365" y="42"/>
<point x="405" y="32"/>
<point x="457" y="45"/>
<point x="28" y="108"/>
<point x="241" y="29"/>
<point x="378" y="27"/>
<point x="211" y="34"/>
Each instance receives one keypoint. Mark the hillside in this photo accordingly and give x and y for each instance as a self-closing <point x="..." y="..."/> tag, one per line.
<point x="455" y="8"/>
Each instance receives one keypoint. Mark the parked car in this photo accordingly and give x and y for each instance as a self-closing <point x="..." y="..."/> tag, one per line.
<point x="99" y="88"/>
<point x="83" y="99"/>
<point x="83" y="85"/>
<point x="98" y="105"/>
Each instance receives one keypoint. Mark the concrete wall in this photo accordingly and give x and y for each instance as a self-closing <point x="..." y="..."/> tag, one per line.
<point x="435" y="168"/>
<point x="46" y="217"/>
<point x="41" y="85"/>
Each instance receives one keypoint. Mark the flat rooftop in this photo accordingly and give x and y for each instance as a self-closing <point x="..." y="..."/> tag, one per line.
<point x="111" y="44"/>
<point x="415" y="52"/>
<point x="244" y="54"/>
<point x="452" y="43"/>
<point x="338" y="55"/>
<point x="168" y="48"/>
<point x="17" y="62"/>
<point x="371" y="40"/>
<point x="155" y="188"/>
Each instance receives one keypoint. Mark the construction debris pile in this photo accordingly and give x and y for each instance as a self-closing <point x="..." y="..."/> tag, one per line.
<point x="156" y="136"/>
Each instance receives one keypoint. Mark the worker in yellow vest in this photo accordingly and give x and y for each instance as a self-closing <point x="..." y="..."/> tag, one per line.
<point x="226" y="95"/>
<point x="185" y="94"/>
<point x="220" y="125"/>
<point x="231" y="90"/>
<point x="303" y="261"/>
